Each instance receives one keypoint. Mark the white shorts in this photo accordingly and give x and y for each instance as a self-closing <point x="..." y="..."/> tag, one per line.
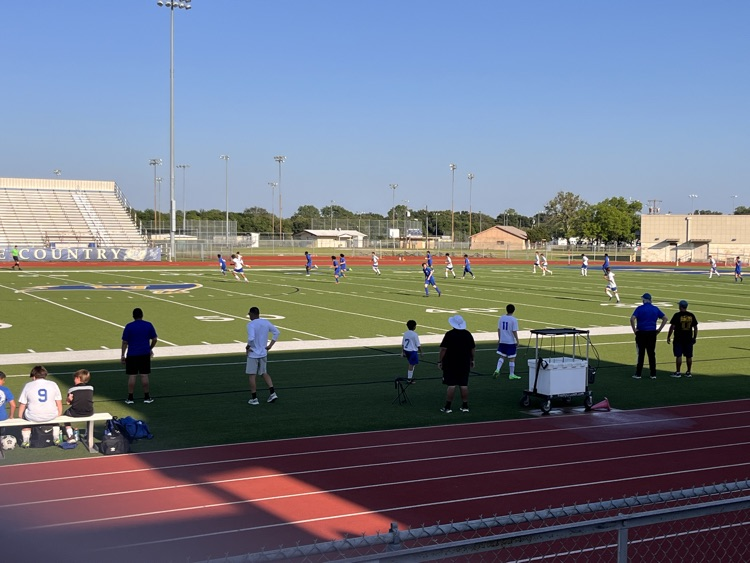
<point x="256" y="366"/>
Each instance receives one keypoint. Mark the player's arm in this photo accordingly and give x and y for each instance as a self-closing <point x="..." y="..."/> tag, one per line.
<point x="515" y="335"/>
<point x="695" y="333"/>
<point x="152" y="343"/>
<point x="663" y="322"/>
<point x="124" y="349"/>
<point x="12" y="412"/>
<point x="669" y="334"/>
<point x="58" y="403"/>
<point x="274" y="337"/>
<point x="441" y="356"/>
<point x="21" y="410"/>
<point x="633" y="324"/>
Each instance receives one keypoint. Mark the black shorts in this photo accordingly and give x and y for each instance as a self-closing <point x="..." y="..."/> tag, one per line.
<point x="138" y="365"/>
<point x="451" y="379"/>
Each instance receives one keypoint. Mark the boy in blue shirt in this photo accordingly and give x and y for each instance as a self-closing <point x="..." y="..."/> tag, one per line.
<point x="138" y="341"/>
<point x="467" y="267"/>
<point x="336" y="269"/>
<point x="429" y="280"/>
<point x="6" y="398"/>
<point x="222" y="265"/>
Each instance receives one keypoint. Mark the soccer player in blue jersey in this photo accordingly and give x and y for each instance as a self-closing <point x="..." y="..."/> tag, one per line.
<point x="336" y="269"/>
<point x="222" y="265"/>
<point x="507" y="347"/>
<point x="467" y="268"/>
<point x="308" y="263"/>
<point x="428" y="258"/>
<point x="429" y="280"/>
<point x="605" y="266"/>
<point x="738" y="269"/>
<point x="342" y="265"/>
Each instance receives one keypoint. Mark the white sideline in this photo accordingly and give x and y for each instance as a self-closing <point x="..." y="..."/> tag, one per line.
<point x="71" y="356"/>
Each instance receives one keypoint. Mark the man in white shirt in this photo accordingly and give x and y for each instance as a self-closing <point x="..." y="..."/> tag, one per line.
<point x="375" y="261"/>
<point x="611" y="285"/>
<point x="257" y="353"/>
<point x="507" y="347"/>
<point x="449" y="265"/>
<point x="584" y="265"/>
<point x="713" y="270"/>
<point x="411" y="348"/>
<point x="239" y="267"/>
<point x="40" y="401"/>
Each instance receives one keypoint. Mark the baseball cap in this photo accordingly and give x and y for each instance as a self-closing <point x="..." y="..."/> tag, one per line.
<point x="683" y="303"/>
<point x="646" y="296"/>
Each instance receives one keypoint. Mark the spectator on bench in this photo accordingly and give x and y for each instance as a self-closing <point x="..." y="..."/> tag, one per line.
<point x="6" y="398"/>
<point x="81" y="400"/>
<point x="40" y="401"/>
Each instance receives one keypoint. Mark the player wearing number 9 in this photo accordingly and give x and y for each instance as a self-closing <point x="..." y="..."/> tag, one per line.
<point x="40" y="401"/>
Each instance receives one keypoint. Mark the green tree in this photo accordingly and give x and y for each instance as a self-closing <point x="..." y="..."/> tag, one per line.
<point x="611" y="220"/>
<point x="563" y="211"/>
<point x="742" y="210"/>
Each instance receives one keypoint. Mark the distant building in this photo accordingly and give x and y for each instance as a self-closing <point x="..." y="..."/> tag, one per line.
<point x="500" y="237"/>
<point x="332" y="238"/>
<point x="691" y="238"/>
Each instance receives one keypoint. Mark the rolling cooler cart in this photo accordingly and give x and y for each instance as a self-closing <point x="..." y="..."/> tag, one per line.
<point x="561" y="377"/>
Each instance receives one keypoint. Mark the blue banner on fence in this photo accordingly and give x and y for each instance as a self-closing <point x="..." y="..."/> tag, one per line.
<point x="88" y="254"/>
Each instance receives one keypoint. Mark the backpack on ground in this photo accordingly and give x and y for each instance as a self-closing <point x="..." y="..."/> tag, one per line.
<point x="113" y="441"/>
<point x="41" y="436"/>
<point x="133" y="429"/>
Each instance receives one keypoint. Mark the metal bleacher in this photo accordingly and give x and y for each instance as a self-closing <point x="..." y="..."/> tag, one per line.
<point x="66" y="213"/>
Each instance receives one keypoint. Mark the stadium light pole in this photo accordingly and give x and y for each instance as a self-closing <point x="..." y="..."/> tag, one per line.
<point x="332" y="204"/>
<point x="225" y="158"/>
<point x="273" y="222"/>
<point x="158" y="183"/>
<point x="471" y="178"/>
<point x="693" y="197"/>
<point x="155" y="162"/>
<point x="280" y="159"/>
<point x="734" y="204"/>
<point x="184" y="197"/>
<point x="453" y="181"/>
<point x="393" y="205"/>
<point x="182" y="5"/>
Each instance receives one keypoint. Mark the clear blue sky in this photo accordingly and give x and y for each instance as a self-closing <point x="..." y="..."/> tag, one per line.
<point x="641" y="98"/>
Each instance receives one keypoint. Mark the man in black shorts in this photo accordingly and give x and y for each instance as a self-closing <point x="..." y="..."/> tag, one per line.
<point x="456" y="361"/>
<point x="138" y="340"/>
<point x="684" y="327"/>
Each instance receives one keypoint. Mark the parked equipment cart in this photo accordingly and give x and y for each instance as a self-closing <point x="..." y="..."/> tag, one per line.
<point x="559" y="376"/>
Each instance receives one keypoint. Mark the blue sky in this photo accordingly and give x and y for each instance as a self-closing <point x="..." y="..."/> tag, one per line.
<point x="641" y="99"/>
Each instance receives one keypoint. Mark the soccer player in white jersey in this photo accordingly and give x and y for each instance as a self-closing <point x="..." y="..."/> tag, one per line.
<point x="611" y="288"/>
<point x="536" y="261"/>
<point x="545" y="269"/>
<point x="375" y="261"/>
<point x="411" y="349"/>
<point x="261" y="336"/>
<point x="712" y="270"/>
<point x="238" y="269"/>
<point x="507" y="347"/>
<point x="449" y="265"/>
<point x="584" y="265"/>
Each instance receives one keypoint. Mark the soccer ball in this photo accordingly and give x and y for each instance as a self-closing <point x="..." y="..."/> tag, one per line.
<point x="8" y="442"/>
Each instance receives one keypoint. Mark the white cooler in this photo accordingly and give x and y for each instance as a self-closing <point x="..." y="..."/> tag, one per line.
<point x="561" y="376"/>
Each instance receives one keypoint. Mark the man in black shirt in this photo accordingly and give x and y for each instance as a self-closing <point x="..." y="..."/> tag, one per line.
<point x="456" y="361"/>
<point x="684" y="326"/>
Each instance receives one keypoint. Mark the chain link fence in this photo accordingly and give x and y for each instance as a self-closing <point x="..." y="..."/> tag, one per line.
<point x="707" y="524"/>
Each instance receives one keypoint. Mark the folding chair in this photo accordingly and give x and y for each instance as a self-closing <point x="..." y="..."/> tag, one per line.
<point x="402" y="385"/>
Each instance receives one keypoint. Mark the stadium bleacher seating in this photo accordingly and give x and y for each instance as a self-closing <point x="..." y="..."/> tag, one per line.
<point x="67" y="213"/>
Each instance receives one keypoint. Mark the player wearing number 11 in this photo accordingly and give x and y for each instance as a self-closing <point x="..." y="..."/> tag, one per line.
<point x="507" y="347"/>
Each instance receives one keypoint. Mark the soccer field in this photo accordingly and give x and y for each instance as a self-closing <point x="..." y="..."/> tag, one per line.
<point x="85" y="309"/>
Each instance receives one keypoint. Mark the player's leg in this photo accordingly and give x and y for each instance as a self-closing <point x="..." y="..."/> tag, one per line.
<point x="271" y="389"/>
<point x="449" y="393"/>
<point x="464" y="398"/>
<point x="500" y="362"/>
<point x="146" y="388"/>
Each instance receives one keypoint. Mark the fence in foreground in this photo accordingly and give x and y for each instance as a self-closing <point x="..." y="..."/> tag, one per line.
<point x="710" y="523"/>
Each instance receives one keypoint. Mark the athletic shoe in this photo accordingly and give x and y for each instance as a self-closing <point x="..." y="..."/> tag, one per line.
<point x="496" y="374"/>
<point x="446" y="411"/>
<point x="676" y="374"/>
<point x="25" y="445"/>
<point x="688" y="374"/>
<point x="464" y="409"/>
<point x="514" y="376"/>
<point x="636" y="376"/>
<point x="653" y="377"/>
<point x="253" y="402"/>
<point x="272" y="397"/>
<point x="57" y="441"/>
<point x="129" y="401"/>
<point x="148" y="401"/>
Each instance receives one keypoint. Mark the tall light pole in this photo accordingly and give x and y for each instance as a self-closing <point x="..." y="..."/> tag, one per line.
<point x="734" y="204"/>
<point x="393" y="205"/>
<point x="280" y="159"/>
<point x="453" y="181"/>
<point x="225" y="158"/>
<point x="184" y="197"/>
<point x="692" y="197"/>
<point x="471" y="178"/>
<point x="57" y="173"/>
<point x="273" y="217"/>
<point x="155" y="162"/>
<point x="158" y="183"/>
<point x="183" y="5"/>
<point x="332" y="203"/>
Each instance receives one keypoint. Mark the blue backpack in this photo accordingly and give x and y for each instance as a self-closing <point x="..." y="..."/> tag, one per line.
<point x="133" y="429"/>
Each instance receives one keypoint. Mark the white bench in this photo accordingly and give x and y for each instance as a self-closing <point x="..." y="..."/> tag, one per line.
<point x="62" y="420"/>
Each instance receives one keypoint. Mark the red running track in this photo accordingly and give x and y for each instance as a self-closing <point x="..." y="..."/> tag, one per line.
<point x="198" y="503"/>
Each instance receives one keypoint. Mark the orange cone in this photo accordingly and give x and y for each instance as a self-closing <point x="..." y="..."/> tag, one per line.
<point x="601" y="406"/>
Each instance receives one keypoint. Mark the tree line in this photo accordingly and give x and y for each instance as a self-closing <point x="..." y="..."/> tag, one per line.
<point x="565" y="216"/>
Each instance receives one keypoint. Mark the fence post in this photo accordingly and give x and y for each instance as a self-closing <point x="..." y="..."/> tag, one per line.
<point x="395" y="543"/>
<point x="622" y="545"/>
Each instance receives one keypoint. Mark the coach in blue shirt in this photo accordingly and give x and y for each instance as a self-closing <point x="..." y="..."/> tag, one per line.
<point x="138" y="341"/>
<point x="643" y="322"/>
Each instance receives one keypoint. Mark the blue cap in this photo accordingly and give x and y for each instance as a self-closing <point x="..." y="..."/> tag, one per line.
<point x="646" y="296"/>
<point x="683" y="303"/>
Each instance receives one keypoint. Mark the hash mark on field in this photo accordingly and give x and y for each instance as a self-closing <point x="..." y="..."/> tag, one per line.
<point x="103" y="347"/>
<point x="355" y="337"/>
<point x="240" y="342"/>
<point x="69" y="349"/>
<point x="204" y="342"/>
<point x="30" y="350"/>
<point x="381" y="335"/>
<point x="297" y="339"/>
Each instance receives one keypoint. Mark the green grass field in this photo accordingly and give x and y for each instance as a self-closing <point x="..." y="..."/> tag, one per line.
<point x="338" y="354"/>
